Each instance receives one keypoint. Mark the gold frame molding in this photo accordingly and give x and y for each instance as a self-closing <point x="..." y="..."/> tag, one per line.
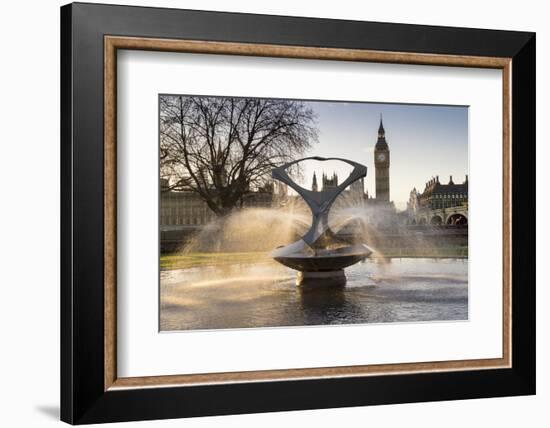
<point x="113" y="43"/>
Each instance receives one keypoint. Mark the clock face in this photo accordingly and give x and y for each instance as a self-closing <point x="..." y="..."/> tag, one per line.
<point x="381" y="157"/>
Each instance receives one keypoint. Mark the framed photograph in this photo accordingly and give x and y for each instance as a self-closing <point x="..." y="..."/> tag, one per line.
<point x="266" y="213"/>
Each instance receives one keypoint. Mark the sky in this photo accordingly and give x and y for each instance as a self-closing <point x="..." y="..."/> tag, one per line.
<point x="424" y="141"/>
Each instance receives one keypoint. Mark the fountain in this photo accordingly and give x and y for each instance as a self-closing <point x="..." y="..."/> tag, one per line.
<point x="320" y="256"/>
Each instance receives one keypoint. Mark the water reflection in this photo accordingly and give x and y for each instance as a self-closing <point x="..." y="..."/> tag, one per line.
<point x="329" y="305"/>
<point x="265" y="295"/>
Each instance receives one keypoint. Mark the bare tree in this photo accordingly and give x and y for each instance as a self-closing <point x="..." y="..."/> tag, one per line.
<point x="224" y="148"/>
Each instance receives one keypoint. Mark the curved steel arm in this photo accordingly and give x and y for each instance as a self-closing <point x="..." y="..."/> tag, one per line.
<point x="319" y="202"/>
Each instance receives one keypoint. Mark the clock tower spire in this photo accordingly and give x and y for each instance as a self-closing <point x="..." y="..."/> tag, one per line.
<point x="382" y="165"/>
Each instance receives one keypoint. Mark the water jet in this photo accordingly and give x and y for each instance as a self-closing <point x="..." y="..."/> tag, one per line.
<point x="320" y="256"/>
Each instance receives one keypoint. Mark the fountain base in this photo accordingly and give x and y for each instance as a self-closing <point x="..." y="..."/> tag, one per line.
<point x="333" y="278"/>
<point x="301" y="257"/>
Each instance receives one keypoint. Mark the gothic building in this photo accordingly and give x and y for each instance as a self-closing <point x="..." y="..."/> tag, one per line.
<point x="382" y="165"/>
<point x="314" y="186"/>
<point x="382" y="176"/>
<point x="379" y="210"/>
<point x="440" y="203"/>
<point x="330" y="182"/>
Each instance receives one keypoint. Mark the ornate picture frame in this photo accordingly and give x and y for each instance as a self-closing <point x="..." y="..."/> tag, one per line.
<point x="91" y="389"/>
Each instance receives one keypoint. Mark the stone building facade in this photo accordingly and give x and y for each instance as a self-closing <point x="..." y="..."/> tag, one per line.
<point x="439" y="203"/>
<point x="187" y="208"/>
<point x="184" y="212"/>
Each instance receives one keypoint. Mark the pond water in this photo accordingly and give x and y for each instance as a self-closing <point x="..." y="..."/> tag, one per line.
<point x="265" y="295"/>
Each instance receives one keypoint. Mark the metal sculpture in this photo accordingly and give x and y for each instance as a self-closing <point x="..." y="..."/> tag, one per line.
<point x="320" y="256"/>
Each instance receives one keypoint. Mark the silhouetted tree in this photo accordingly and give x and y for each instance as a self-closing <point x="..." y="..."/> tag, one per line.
<point x="224" y="148"/>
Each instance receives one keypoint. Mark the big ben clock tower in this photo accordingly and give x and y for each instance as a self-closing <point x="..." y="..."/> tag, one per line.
<point x="382" y="165"/>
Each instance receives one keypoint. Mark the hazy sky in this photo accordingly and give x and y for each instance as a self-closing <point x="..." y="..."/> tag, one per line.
<point x="424" y="141"/>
